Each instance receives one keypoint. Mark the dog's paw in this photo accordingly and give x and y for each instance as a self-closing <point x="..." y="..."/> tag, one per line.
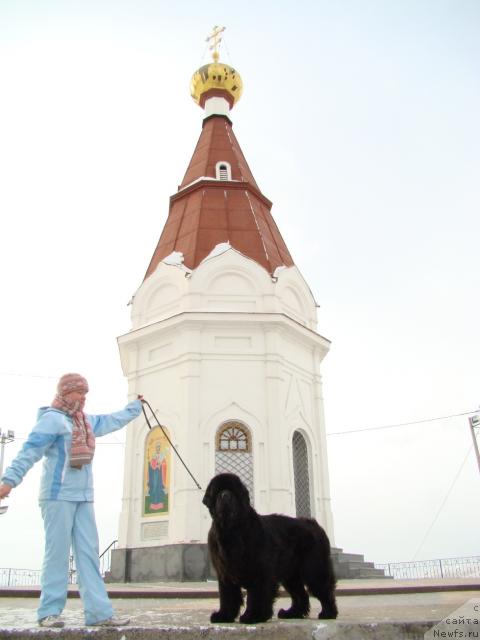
<point x="219" y="616"/>
<point x="328" y="615"/>
<point x="252" y="618"/>
<point x="290" y="613"/>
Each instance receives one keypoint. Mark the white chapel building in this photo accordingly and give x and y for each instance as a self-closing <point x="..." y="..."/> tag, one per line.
<point x="224" y="346"/>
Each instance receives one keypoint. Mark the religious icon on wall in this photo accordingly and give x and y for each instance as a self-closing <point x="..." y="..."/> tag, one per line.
<point x="156" y="477"/>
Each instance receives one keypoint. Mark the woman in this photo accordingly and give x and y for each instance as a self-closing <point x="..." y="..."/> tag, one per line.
<point x="65" y="436"/>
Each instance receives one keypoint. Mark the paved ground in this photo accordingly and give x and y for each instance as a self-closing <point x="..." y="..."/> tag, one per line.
<point x="368" y="609"/>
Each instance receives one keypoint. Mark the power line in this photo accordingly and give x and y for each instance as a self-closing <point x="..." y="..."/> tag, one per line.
<point x="443" y="503"/>
<point x="333" y="433"/>
<point x="401" y="424"/>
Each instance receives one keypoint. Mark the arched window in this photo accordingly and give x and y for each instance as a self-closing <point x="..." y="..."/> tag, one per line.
<point x="233" y="453"/>
<point x="223" y="170"/>
<point x="301" y="474"/>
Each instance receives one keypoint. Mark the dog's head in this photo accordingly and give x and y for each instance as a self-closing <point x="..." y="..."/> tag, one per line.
<point x="227" y="499"/>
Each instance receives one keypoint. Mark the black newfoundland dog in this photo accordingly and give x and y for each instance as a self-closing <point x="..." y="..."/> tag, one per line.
<point x="260" y="552"/>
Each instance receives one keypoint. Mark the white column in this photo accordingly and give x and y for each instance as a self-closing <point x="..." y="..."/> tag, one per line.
<point x="216" y="106"/>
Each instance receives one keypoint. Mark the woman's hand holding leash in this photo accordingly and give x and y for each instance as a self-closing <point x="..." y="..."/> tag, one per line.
<point x="4" y="490"/>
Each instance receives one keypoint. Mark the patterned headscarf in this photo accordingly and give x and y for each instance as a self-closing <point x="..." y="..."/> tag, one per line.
<point x="83" y="440"/>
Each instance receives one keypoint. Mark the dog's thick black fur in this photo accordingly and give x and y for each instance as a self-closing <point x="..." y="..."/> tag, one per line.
<point x="258" y="553"/>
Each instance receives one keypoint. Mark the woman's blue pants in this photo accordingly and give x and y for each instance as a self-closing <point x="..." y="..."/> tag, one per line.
<point x="71" y="525"/>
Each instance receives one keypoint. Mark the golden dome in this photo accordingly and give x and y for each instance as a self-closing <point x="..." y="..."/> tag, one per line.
<point x="216" y="76"/>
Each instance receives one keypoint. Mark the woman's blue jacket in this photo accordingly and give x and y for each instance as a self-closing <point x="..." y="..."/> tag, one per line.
<point x="51" y="438"/>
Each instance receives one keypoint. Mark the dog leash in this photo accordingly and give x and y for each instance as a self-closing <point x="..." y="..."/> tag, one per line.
<point x="145" y="402"/>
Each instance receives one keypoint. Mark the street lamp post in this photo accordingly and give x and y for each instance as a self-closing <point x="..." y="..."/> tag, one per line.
<point x="474" y="422"/>
<point x="5" y="437"/>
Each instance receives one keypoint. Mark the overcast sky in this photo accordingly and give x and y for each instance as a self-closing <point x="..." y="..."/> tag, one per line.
<point x="360" y="121"/>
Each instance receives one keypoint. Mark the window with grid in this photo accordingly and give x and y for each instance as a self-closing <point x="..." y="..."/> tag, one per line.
<point x="301" y="474"/>
<point x="233" y="453"/>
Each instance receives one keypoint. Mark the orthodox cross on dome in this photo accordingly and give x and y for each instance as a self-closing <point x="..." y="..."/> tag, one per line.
<point x="215" y="39"/>
<point x="216" y="80"/>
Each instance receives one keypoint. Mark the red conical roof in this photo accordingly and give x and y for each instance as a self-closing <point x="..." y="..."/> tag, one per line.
<point x="217" y="142"/>
<point x="208" y="211"/>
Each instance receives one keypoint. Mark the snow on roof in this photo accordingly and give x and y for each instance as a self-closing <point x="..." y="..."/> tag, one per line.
<point x="175" y="259"/>
<point x="218" y="250"/>
<point x="278" y="270"/>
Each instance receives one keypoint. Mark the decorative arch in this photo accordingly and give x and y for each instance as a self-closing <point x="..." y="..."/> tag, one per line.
<point x="293" y="299"/>
<point x="156" y="474"/>
<point x="165" y="293"/>
<point x="233" y="452"/>
<point x="231" y="282"/>
<point x="302" y="475"/>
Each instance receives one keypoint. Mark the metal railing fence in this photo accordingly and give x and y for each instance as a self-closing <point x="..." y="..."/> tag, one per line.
<point x="19" y="577"/>
<point x="31" y="577"/>
<point x="422" y="569"/>
<point x="106" y="557"/>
